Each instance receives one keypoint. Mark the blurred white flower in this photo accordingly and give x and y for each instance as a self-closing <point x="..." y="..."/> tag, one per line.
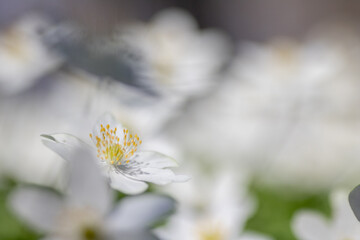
<point x="144" y="113"/>
<point x="23" y="55"/>
<point x="45" y="108"/>
<point x="312" y="141"/>
<point x="214" y="207"/>
<point x="173" y="56"/>
<point x="288" y="110"/>
<point x="309" y="225"/>
<point x="116" y="149"/>
<point x="86" y="210"/>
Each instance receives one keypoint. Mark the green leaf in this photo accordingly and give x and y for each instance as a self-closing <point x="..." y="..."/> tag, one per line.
<point x="276" y="207"/>
<point x="12" y="228"/>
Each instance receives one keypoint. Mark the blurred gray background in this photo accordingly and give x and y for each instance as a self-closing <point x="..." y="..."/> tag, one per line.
<point x="243" y="20"/>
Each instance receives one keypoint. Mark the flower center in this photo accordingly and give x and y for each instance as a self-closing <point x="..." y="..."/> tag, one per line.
<point x="211" y="235"/>
<point x="210" y="231"/>
<point x="79" y="223"/>
<point x="115" y="148"/>
<point x="89" y="233"/>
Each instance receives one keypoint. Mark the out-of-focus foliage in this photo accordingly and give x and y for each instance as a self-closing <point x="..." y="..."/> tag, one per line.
<point x="276" y="208"/>
<point x="11" y="227"/>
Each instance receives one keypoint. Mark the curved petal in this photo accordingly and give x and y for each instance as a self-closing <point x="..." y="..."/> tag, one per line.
<point x="158" y="176"/>
<point x="63" y="144"/>
<point x="310" y="226"/>
<point x="126" y="185"/>
<point x="139" y="212"/>
<point x="38" y="207"/>
<point x="87" y="186"/>
<point x="151" y="159"/>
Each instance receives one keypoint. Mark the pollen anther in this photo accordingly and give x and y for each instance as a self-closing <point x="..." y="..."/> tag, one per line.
<point x="115" y="149"/>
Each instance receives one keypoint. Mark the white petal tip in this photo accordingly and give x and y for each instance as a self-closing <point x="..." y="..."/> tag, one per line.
<point x="181" y="178"/>
<point x="126" y="185"/>
<point x="45" y="138"/>
<point x="136" y="191"/>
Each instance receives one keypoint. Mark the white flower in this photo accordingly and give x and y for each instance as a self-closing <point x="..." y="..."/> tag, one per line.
<point x="283" y="112"/>
<point x="86" y="211"/>
<point x="310" y="108"/>
<point x="309" y="225"/>
<point x="25" y="116"/>
<point x="218" y="213"/>
<point x="23" y="55"/>
<point x="174" y="56"/>
<point x="143" y="112"/>
<point x="117" y="152"/>
<point x="67" y="104"/>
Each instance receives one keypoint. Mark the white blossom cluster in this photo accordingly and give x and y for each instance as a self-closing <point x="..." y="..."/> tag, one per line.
<point x="175" y="153"/>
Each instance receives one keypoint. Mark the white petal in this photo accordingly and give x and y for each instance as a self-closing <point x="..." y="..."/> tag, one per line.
<point x="181" y="178"/>
<point x="63" y="144"/>
<point x="343" y="217"/>
<point x="159" y="176"/>
<point x="182" y="225"/>
<point x="126" y="185"/>
<point x="175" y="17"/>
<point x="253" y="236"/>
<point x="308" y="225"/>
<point x="133" y="235"/>
<point x="37" y="207"/>
<point x="151" y="159"/>
<point x="87" y="186"/>
<point x="139" y="212"/>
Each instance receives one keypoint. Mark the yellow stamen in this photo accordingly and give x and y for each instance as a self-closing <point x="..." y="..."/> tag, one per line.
<point x="114" y="150"/>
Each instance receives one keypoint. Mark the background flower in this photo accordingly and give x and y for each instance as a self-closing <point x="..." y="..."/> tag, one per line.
<point x="24" y="56"/>
<point x="86" y="211"/>
<point x="282" y="112"/>
<point x="173" y="56"/>
<point x="342" y="225"/>
<point x="219" y="212"/>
